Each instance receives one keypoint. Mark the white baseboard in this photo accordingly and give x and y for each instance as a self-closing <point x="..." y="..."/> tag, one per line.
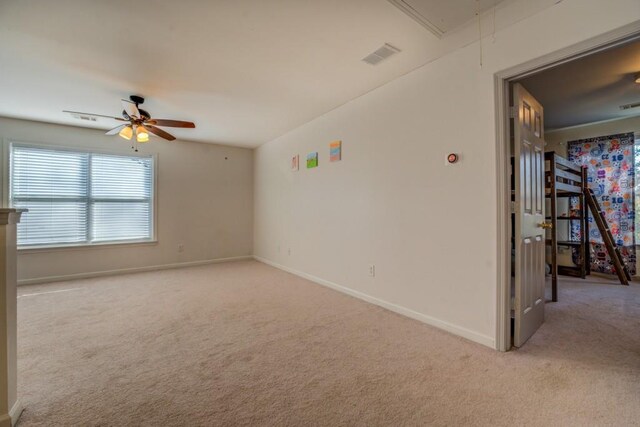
<point x="432" y="321"/>
<point x="66" y="277"/>
<point x="15" y="412"/>
<point x="11" y="419"/>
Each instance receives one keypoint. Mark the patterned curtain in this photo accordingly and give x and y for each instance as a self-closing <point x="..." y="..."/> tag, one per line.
<point x="611" y="176"/>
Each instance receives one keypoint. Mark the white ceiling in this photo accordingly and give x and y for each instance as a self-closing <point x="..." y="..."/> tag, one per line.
<point x="244" y="71"/>
<point x="590" y="89"/>
<point x="441" y="17"/>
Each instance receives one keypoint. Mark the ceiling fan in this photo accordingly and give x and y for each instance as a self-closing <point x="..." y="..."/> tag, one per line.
<point x="138" y="121"/>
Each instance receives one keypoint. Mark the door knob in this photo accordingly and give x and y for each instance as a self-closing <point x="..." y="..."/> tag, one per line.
<point x="546" y="225"/>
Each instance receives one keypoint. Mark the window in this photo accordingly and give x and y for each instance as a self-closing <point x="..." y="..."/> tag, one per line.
<point x="636" y="153"/>
<point x="80" y="198"/>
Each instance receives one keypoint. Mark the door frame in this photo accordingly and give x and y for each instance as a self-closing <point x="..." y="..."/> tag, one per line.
<point x="502" y="79"/>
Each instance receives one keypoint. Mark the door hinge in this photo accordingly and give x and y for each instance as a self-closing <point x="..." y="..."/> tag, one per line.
<point x="513" y="112"/>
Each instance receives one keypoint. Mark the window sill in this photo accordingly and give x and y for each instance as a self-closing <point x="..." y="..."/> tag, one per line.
<point x="40" y="249"/>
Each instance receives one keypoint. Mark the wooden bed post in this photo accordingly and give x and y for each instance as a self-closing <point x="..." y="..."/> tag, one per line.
<point x="586" y="256"/>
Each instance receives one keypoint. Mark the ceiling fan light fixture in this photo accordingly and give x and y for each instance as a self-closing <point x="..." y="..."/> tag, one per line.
<point x="141" y="134"/>
<point x="638" y="78"/>
<point x="133" y="120"/>
<point x="126" y="132"/>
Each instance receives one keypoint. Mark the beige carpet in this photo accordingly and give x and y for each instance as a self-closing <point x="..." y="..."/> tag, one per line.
<point x="246" y="344"/>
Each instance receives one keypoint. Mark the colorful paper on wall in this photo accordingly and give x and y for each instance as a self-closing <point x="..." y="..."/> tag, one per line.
<point x="312" y="160"/>
<point x="335" y="151"/>
<point x="610" y="164"/>
<point x="295" y="163"/>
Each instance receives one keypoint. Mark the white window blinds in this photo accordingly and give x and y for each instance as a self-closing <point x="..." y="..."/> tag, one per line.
<point x="77" y="198"/>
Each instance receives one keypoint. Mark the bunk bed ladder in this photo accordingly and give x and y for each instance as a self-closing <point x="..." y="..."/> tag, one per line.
<point x="607" y="237"/>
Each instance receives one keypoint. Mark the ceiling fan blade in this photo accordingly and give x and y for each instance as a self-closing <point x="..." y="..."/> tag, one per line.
<point x="130" y="108"/>
<point x="171" y="123"/>
<point x="117" y="129"/>
<point x="79" y="113"/>
<point x="159" y="132"/>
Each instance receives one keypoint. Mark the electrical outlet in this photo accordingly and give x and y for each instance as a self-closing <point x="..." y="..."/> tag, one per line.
<point x="372" y="270"/>
<point x="289" y="251"/>
<point x="278" y="248"/>
<point x="180" y="247"/>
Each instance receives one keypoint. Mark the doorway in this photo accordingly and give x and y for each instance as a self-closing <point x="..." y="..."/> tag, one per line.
<point x="507" y="83"/>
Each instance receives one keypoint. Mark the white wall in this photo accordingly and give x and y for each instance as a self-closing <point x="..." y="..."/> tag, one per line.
<point x="557" y="140"/>
<point x="430" y="229"/>
<point x="204" y="202"/>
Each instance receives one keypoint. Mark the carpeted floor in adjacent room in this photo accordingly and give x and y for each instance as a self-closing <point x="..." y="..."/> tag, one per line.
<point x="243" y="343"/>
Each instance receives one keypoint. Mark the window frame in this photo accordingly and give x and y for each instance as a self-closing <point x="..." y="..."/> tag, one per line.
<point x="6" y="194"/>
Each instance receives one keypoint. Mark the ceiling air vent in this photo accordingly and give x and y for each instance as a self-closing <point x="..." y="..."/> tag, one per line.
<point x="381" y="54"/>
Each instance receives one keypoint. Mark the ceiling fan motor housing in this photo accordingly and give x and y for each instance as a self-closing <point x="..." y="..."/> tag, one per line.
<point x="136" y="99"/>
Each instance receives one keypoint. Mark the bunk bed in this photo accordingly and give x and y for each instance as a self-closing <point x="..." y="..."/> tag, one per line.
<point x="566" y="180"/>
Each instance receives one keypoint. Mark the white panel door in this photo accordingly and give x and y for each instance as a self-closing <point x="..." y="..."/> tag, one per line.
<point x="529" y="197"/>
